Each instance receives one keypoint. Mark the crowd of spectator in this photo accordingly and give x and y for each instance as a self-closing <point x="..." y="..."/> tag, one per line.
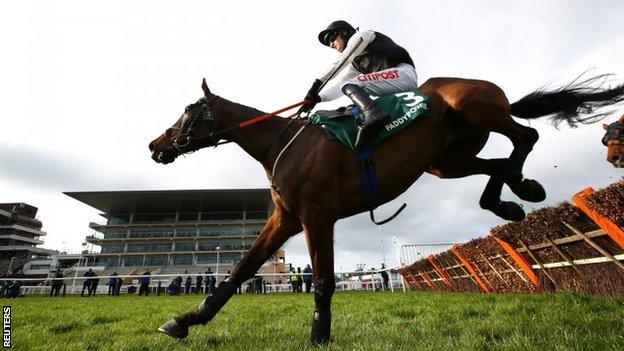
<point x="191" y="284"/>
<point x="11" y="288"/>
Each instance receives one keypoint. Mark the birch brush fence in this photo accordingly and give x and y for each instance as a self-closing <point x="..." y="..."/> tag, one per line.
<point x="575" y="246"/>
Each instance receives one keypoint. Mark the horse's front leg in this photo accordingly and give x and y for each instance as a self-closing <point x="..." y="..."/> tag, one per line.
<point x="320" y="238"/>
<point x="278" y="229"/>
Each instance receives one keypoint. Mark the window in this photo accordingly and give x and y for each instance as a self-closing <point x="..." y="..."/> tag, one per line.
<point x="185" y="247"/>
<point x="229" y="258"/>
<point x="221" y="216"/>
<point x="188" y="217"/>
<point x="257" y="215"/>
<point x="156" y="260"/>
<point x="112" y="248"/>
<point x="207" y="246"/>
<point x="253" y="231"/>
<point x="183" y="260"/>
<point x="133" y="261"/>
<point x="207" y="232"/>
<point x="165" y="233"/>
<point x="186" y="232"/>
<point x="115" y="234"/>
<point x="141" y="218"/>
<point x="118" y="219"/>
<point x="207" y="259"/>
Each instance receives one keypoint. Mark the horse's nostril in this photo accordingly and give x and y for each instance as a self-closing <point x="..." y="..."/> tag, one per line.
<point x="152" y="146"/>
<point x="614" y="158"/>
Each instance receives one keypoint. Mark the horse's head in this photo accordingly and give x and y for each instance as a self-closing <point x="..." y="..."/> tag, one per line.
<point x="614" y="141"/>
<point x="193" y="130"/>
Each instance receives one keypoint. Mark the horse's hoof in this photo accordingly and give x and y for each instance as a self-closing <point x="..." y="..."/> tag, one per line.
<point x="319" y="342"/>
<point x="530" y="190"/>
<point x="173" y="328"/>
<point x="511" y="211"/>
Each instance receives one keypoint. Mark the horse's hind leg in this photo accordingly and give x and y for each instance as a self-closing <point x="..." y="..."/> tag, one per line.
<point x="459" y="164"/>
<point x="493" y="118"/>
<point x="278" y="229"/>
<point x="319" y="233"/>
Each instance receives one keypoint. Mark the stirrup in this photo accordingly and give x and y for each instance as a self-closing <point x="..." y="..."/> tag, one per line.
<point x="367" y="132"/>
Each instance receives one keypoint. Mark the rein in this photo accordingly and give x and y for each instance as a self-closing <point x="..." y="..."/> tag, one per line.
<point x="213" y="138"/>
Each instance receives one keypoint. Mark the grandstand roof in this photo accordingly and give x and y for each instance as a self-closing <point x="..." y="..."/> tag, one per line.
<point x="162" y="201"/>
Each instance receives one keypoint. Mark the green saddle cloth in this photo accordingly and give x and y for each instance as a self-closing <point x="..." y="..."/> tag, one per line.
<point x="403" y="108"/>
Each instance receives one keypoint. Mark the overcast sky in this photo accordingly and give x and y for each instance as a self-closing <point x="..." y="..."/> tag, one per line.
<point x="84" y="87"/>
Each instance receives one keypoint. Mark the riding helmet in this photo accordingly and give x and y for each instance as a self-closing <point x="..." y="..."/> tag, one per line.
<point x="324" y="35"/>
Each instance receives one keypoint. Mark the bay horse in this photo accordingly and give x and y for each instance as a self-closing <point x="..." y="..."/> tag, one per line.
<point x="614" y="141"/>
<point x="317" y="181"/>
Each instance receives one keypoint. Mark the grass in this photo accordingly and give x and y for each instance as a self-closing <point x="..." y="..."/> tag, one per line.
<point x="361" y="321"/>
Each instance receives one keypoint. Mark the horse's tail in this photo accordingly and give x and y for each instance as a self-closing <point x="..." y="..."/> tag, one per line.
<point x="574" y="103"/>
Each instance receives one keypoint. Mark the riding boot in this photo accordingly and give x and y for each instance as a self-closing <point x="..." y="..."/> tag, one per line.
<point x="202" y="314"/>
<point x="374" y="117"/>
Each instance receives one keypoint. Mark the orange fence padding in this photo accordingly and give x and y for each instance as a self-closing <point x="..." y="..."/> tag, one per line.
<point x="520" y="260"/>
<point x="470" y="268"/>
<point x="414" y="280"/>
<point x="427" y="279"/>
<point x="615" y="233"/>
<point x="441" y="272"/>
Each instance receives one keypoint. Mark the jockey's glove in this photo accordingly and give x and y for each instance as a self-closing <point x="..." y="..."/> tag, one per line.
<point x="312" y="97"/>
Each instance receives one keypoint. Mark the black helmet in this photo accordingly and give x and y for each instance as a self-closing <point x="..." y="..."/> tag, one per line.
<point x="324" y="35"/>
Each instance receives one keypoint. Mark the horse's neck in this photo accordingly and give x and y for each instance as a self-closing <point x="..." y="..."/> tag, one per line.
<point x="256" y="139"/>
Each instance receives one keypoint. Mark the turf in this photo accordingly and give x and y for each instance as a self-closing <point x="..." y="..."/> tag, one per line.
<point x="361" y="321"/>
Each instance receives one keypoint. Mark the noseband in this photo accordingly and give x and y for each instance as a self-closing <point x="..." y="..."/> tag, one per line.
<point x="615" y="131"/>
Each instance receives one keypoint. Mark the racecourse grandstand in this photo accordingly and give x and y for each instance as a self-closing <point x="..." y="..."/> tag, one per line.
<point x="20" y="235"/>
<point x="175" y="231"/>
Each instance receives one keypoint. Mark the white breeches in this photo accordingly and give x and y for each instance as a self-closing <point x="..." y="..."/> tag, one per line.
<point x="389" y="81"/>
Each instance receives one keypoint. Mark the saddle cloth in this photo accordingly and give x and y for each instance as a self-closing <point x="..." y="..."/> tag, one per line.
<point x="403" y="108"/>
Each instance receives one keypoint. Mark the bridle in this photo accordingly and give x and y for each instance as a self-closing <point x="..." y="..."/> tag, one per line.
<point x="205" y="114"/>
<point x="188" y="128"/>
<point x="615" y="131"/>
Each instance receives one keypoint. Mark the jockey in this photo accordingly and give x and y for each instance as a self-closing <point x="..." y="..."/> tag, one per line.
<point x="372" y="64"/>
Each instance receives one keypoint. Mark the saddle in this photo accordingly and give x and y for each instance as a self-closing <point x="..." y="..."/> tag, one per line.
<point x="342" y="124"/>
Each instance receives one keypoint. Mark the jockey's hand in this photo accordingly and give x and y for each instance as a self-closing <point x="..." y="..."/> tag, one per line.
<point x="312" y="97"/>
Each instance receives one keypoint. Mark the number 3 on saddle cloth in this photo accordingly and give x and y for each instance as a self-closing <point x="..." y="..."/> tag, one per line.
<point x="342" y="124"/>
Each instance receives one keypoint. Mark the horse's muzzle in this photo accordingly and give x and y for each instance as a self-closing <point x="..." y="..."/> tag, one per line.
<point x="165" y="156"/>
<point x="616" y="160"/>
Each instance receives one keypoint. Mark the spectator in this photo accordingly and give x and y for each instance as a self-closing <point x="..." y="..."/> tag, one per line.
<point x="144" y="280"/>
<point x="210" y="282"/>
<point x="5" y="284"/>
<point x="198" y="284"/>
<point x="86" y="284"/>
<point x="112" y="284"/>
<point x="57" y="283"/>
<point x="259" y="282"/>
<point x="307" y="278"/>
<point x="118" y="284"/>
<point x="94" y="284"/>
<point x="299" y="280"/>
<point x="187" y="285"/>
<point x="293" y="280"/>
<point x="174" y="287"/>
<point x="15" y="285"/>
<point x="384" y="277"/>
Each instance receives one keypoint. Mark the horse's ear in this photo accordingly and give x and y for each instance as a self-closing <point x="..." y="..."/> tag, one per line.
<point x="606" y="127"/>
<point x="205" y="88"/>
